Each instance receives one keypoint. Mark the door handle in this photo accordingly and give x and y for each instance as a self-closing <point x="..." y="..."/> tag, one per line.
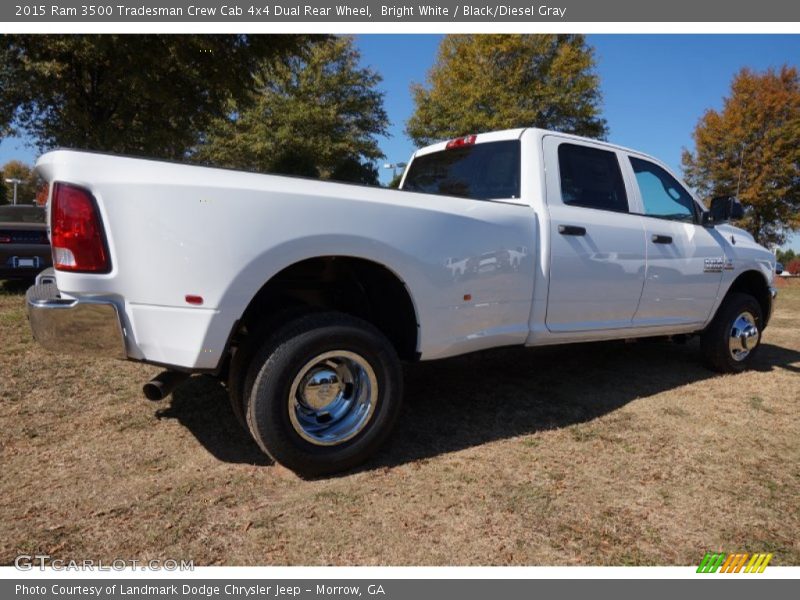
<point x="661" y="239"/>
<point x="571" y="230"/>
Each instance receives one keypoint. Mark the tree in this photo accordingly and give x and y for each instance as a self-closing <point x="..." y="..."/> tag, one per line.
<point x="27" y="190"/>
<point x="316" y="115"/>
<point x="489" y="82"/>
<point x="7" y="104"/>
<point x="752" y="146"/>
<point x="395" y="181"/>
<point x="139" y="94"/>
<point x="3" y="190"/>
<point x="794" y="266"/>
<point x="41" y="194"/>
<point x="785" y="256"/>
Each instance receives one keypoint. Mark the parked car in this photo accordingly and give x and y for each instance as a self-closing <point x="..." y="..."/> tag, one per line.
<point x="24" y="247"/>
<point x="305" y="295"/>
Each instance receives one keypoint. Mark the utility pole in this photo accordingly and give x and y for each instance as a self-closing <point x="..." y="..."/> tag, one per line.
<point x="394" y="167"/>
<point x="16" y="182"/>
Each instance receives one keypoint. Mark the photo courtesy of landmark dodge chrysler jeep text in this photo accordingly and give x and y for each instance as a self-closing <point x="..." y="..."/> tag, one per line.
<point x="305" y="295"/>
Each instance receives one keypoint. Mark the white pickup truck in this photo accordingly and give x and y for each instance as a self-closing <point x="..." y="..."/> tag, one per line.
<point x="304" y="295"/>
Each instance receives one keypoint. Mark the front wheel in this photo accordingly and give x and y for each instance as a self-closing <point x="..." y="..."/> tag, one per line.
<point x="323" y="393"/>
<point x="734" y="335"/>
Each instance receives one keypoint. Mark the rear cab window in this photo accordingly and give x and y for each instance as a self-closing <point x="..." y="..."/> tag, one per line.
<point x="485" y="171"/>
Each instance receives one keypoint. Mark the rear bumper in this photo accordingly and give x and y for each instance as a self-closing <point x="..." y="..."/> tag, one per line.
<point x="69" y="326"/>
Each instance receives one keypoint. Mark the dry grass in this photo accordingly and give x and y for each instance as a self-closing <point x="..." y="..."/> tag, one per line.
<point x="599" y="454"/>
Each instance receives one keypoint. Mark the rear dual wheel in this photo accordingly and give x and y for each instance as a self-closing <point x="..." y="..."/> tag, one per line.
<point x="322" y="393"/>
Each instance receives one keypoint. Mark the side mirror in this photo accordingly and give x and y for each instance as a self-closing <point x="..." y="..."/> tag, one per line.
<point x="778" y="268"/>
<point x="726" y="208"/>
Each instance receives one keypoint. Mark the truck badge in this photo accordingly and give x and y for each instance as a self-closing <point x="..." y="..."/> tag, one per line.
<point x="714" y="265"/>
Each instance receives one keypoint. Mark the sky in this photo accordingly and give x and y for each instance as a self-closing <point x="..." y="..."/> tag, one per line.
<point x="655" y="87"/>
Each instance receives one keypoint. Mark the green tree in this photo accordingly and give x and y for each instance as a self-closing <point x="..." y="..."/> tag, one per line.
<point x="489" y="82"/>
<point x="395" y="181"/>
<point x="785" y="256"/>
<point x="7" y="102"/>
<point x="753" y="145"/>
<point x="30" y="182"/>
<point x="317" y="114"/>
<point x="139" y="94"/>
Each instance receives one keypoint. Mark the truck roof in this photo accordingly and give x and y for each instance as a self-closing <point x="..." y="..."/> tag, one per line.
<point x="514" y="134"/>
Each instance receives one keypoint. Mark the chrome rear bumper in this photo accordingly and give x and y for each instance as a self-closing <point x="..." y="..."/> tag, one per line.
<point x="69" y="326"/>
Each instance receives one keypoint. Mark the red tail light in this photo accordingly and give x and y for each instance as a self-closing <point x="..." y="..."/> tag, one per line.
<point x="76" y="232"/>
<point x="5" y="239"/>
<point x="467" y="140"/>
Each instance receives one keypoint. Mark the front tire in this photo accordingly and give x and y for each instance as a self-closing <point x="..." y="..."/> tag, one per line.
<point x="732" y="339"/>
<point x="323" y="393"/>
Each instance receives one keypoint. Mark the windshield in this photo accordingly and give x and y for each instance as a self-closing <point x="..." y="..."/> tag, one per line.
<point x="22" y="214"/>
<point x="480" y="172"/>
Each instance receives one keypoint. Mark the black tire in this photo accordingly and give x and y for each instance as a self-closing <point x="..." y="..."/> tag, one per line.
<point x="715" y="340"/>
<point x="243" y="355"/>
<point x="280" y="361"/>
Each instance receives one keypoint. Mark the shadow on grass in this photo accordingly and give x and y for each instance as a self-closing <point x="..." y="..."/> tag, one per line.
<point x="467" y="401"/>
<point x="771" y="357"/>
<point x="201" y="405"/>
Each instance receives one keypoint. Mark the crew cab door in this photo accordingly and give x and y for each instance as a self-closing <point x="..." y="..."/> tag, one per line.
<point x="684" y="259"/>
<point x="597" y="246"/>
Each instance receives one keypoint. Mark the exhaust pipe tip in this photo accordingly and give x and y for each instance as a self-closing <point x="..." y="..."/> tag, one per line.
<point x="162" y="385"/>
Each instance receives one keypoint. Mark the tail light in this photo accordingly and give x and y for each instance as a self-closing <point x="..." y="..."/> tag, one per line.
<point x="76" y="232"/>
<point x="467" y="140"/>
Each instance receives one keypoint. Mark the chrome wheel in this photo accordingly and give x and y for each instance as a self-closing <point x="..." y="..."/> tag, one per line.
<point x="744" y="336"/>
<point x="332" y="398"/>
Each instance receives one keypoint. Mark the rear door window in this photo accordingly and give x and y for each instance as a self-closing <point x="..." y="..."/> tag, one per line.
<point x="591" y="178"/>
<point x="480" y="171"/>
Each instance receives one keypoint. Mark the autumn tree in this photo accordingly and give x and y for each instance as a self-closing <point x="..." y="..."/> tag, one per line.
<point x="751" y="148"/>
<point x="30" y="182"/>
<point x="151" y="95"/>
<point x="489" y="82"/>
<point x="316" y="114"/>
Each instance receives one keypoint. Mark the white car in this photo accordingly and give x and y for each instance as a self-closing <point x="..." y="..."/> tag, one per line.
<point x="305" y="295"/>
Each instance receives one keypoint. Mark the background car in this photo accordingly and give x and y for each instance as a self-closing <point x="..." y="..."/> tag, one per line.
<point x="24" y="246"/>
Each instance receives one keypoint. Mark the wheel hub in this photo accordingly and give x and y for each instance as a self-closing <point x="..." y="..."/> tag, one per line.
<point x="321" y="388"/>
<point x="744" y="336"/>
<point x="332" y="398"/>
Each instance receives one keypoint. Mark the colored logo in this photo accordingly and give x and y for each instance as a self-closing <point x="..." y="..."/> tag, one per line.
<point x="734" y="563"/>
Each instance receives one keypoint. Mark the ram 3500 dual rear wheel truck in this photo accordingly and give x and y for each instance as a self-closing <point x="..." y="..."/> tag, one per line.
<point x="304" y="296"/>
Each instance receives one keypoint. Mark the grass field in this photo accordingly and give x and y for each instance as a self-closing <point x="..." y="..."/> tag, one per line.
<point x="612" y="454"/>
